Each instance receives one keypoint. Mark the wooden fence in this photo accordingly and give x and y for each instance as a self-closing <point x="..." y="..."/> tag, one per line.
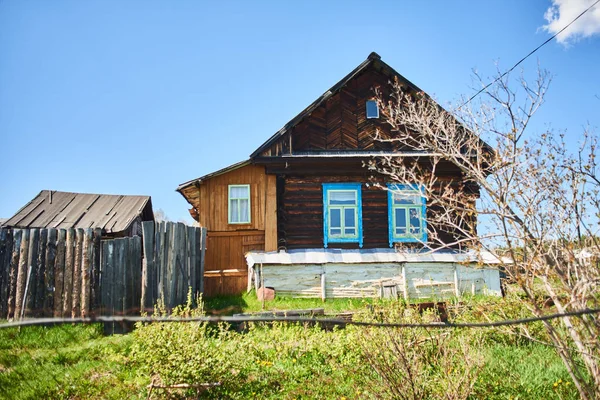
<point x="79" y="273"/>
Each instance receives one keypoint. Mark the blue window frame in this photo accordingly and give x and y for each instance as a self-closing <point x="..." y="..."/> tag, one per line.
<point x="342" y="213"/>
<point x="407" y="213"/>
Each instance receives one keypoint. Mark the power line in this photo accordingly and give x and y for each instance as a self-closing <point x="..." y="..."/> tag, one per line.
<point x="324" y="321"/>
<point x="527" y="56"/>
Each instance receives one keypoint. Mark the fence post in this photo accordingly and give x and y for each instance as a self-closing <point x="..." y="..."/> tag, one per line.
<point x="76" y="302"/>
<point x="87" y="252"/>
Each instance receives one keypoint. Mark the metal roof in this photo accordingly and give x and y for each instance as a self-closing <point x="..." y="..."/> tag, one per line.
<point x="338" y="256"/>
<point x="53" y="209"/>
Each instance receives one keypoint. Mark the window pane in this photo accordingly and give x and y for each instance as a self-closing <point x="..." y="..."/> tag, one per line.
<point x="349" y="220"/>
<point x="400" y="221"/>
<point x="234" y="211"/>
<point x="350" y="231"/>
<point x="415" y="220"/>
<point x="244" y="211"/>
<point x="239" y="192"/>
<point x="336" y="231"/>
<point x="372" y="110"/>
<point x="342" y="197"/>
<point x="335" y="218"/>
<point x="407" y="197"/>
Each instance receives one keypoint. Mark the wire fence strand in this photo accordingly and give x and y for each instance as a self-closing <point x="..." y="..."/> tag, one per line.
<point x="328" y="321"/>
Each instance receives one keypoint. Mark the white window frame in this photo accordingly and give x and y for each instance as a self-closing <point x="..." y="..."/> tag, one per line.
<point x="229" y="208"/>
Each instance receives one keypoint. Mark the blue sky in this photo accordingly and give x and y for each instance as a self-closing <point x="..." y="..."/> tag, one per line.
<point x="136" y="97"/>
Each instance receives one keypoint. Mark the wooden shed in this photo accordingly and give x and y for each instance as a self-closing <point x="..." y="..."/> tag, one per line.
<point x="116" y="215"/>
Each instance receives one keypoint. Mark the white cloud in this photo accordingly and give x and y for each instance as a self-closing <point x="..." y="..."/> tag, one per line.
<point x="564" y="11"/>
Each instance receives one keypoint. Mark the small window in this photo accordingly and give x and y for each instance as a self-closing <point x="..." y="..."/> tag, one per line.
<point x="372" y="109"/>
<point x="239" y="204"/>
<point x="406" y="214"/>
<point x="342" y="213"/>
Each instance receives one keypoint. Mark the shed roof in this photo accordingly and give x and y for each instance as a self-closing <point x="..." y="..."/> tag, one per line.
<point x="54" y="209"/>
<point x="339" y="256"/>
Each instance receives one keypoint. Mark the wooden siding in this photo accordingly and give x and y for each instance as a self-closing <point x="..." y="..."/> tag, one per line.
<point x="340" y="123"/>
<point x="225" y="265"/>
<point x="225" y="269"/>
<point x="411" y="280"/>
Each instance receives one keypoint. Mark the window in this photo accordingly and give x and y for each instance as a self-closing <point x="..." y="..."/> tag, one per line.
<point x="372" y="109"/>
<point x="239" y="204"/>
<point x="406" y="214"/>
<point x="342" y="213"/>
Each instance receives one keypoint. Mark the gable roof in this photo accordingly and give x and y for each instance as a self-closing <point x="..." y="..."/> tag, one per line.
<point x="373" y="58"/>
<point x="53" y="209"/>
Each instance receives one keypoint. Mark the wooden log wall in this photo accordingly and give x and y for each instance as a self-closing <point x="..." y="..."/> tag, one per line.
<point x="48" y="272"/>
<point x="173" y="263"/>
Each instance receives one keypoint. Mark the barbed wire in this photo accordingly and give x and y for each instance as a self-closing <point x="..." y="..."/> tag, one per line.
<point x="328" y="321"/>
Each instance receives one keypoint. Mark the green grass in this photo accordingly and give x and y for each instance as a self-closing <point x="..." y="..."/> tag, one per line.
<point x="267" y="362"/>
<point x="248" y="303"/>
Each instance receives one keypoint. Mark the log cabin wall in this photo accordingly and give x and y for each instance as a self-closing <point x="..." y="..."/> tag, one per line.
<point x="225" y="265"/>
<point x="300" y="213"/>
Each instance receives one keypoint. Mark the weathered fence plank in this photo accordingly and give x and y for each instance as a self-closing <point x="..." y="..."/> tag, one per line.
<point x="86" y="260"/>
<point x="68" y="277"/>
<point x="95" y="274"/>
<point x="50" y="258"/>
<point x="13" y="272"/>
<point x="59" y="272"/>
<point x="38" y="283"/>
<point x="107" y="282"/>
<point x="76" y="298"/>
<point x="21" y="273"/>
<point x="147" y="298"/>
<point x="6" y="243"/>
<point x="32" y="270"/>
<point x="202" y="255"/>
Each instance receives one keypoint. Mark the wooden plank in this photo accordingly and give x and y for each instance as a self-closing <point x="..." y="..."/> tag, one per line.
<point x="131" y="303"/>
<point x="50" y="258"/>
<point x="21" y="273"/>
<point x="147" y="265"/>
<point x="107" y="282"/>
<point x="6" y="243"/>
<point x="181" y="263"/>
<point x="191" y="259"/>
<point x="59" y="273"/>
<point x="77" y="268"/>
<point x="137" y="283"/>
<point x="158" y="261"/>
<point x="202" y="257"/>
<point x="271" y="213"/>
<point x="170" y="259"/>
<point x="68" y="274"/>
<point x="39" y="283"/>
<point x="13" y="272"/>
<point x="87" y="249"/>
<point x="32" y="273"/>
<point x="119" y="280"/>
<point x="95" y="296"/>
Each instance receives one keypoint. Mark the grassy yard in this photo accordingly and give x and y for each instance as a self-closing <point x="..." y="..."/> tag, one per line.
<point x="278" y="361"/>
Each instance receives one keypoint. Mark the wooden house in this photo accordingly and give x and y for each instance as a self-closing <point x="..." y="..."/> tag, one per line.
<point x="303" y="200"/>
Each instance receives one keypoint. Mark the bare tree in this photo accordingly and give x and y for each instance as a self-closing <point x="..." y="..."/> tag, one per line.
<point x="533" y="197"/>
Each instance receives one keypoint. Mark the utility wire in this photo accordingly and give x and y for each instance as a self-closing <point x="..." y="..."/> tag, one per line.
<point x="324" y="321"/>
<point x="527" y="56"/>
